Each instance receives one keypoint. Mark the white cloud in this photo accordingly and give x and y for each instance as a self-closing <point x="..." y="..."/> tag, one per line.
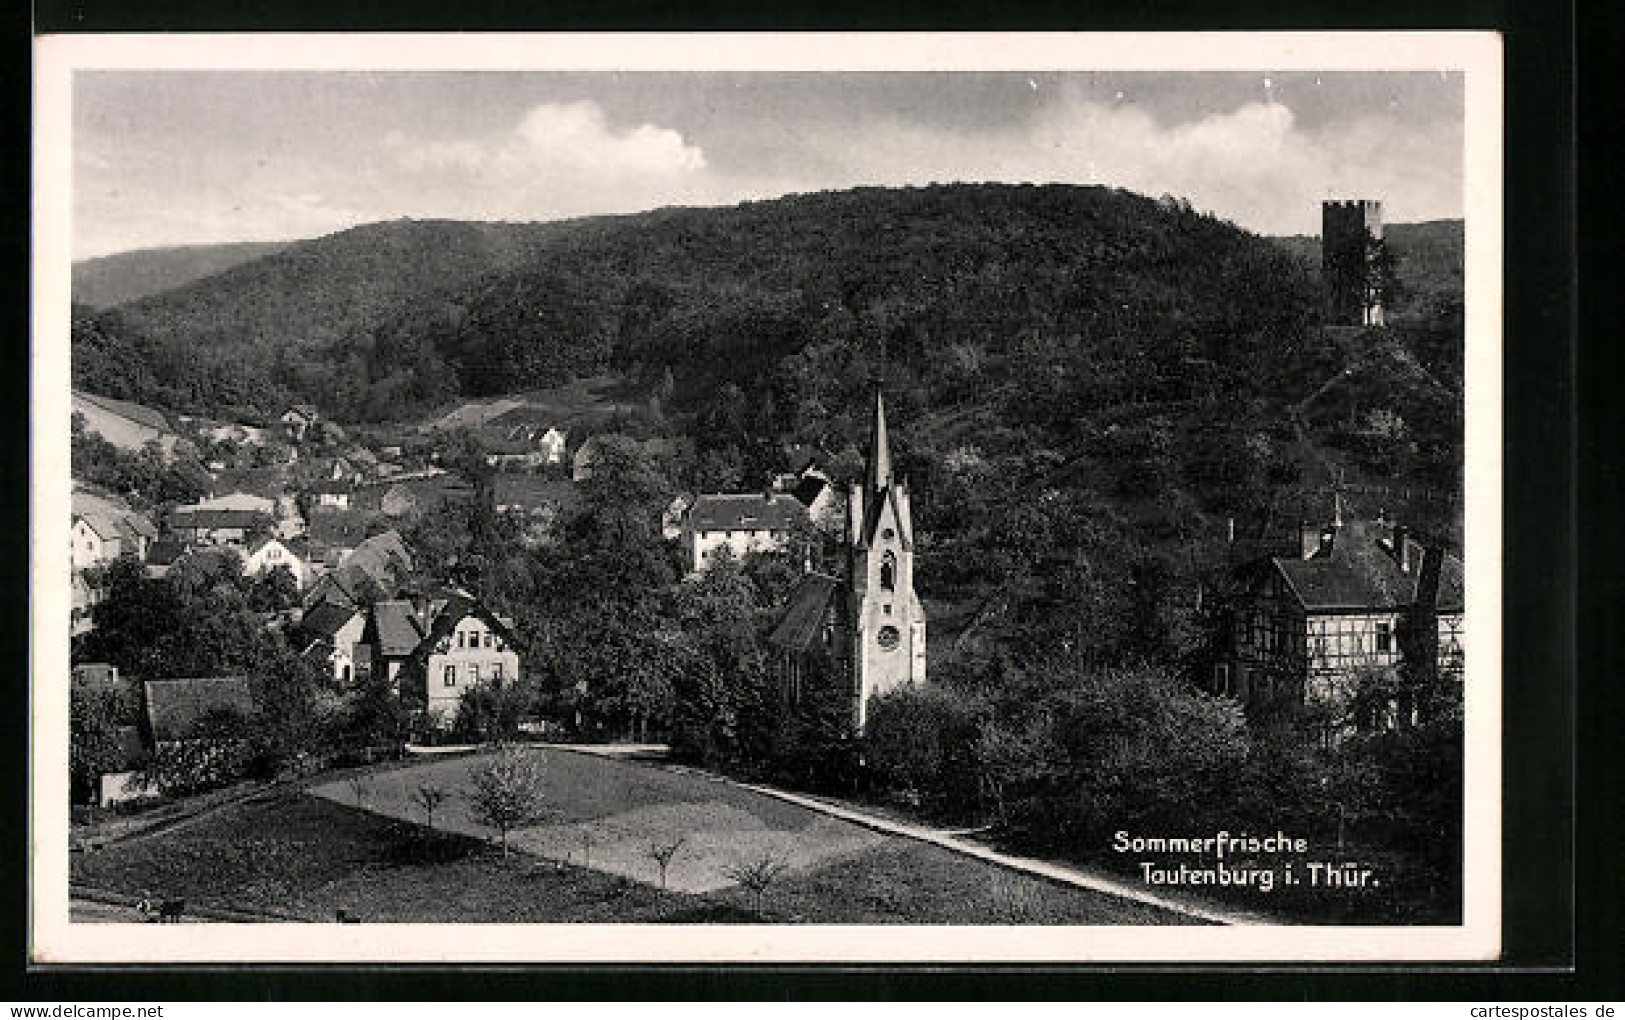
<point x="565" y="143"/>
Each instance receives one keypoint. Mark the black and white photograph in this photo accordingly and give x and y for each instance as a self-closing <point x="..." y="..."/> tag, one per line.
<point x="828" y="498"/>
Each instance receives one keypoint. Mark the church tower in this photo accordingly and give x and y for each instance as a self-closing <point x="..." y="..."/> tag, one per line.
<point x="887" y="623"/>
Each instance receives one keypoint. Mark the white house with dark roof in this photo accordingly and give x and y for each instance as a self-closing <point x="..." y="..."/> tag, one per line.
<point x="265" y="553"/>
<point x="741" y="522"/>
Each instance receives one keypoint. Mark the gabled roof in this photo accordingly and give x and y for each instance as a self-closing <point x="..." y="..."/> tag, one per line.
<point x="809" y="489"/>
<point x="380" y="554"/>
<point x="326" y="619"/>
<point x="394" y="629"/>
<point x="1360" y="573"/>
<point x="174" y="707"/>
<point x="460" y="606"/>
<point x="745" y="512"/>
<point x="809" y="606"/>
<point x="186" y="517"/>
<point x="265" y="540"/>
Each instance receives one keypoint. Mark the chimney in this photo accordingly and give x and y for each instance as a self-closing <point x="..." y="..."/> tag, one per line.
<point x="1230" y="530"/>
<point x="1402" y="548"/>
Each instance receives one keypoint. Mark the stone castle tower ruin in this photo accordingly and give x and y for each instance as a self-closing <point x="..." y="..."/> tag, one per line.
<point x="1350" y="243"/>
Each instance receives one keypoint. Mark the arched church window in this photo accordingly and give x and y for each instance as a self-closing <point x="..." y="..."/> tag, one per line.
<point x="888" y="572"/>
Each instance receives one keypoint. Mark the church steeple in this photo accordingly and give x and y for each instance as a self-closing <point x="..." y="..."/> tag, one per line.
<point x="879" y="448"/>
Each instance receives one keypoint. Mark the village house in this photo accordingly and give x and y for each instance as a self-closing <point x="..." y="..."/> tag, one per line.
<point x="1357" y="594"/>
<point x="330" y="634"/>
<point x="104" y="528"/>
<point x="394" y="629"/>
<point x="98" y="539"/>
<point x="333" y="533"/>
<point x="333" y="493"/>
<point x="163" y="555"/>
<point x="523" y="445"/>
<point x="742" y="523"/>
<point x="299" y="419"/>
<point x="464" y="645"/>
<point x="377" y="567"/>
<point x="193" y="526"/>
<point x="238" y="501"/>
<point x="97" y="676"/>
<point x="825" y="508"/>
<point x="265" y="553"/>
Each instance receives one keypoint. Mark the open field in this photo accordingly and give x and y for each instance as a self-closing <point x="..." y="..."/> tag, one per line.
<point x="307" y="857"/>
<point x="309" y="854"/>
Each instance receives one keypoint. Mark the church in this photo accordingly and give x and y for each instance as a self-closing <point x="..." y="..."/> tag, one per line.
<point x="869" y="624"/>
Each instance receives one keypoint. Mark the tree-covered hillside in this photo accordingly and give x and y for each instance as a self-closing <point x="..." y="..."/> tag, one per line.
<point x="132" y="275"/>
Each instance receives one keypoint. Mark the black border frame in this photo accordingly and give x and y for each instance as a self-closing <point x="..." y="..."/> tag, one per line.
<point x="1556" y="953"/>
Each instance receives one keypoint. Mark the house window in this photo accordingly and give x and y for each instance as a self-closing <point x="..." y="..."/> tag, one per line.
<point x="496" y="672"/>
<point x="344" y="673"/>
<point x="1385" y="637"/>
<point x="462" y="640"/>
<point x="449" y="676"/>
<point x="1221" y="678"/>
<point x="473" y="672"/>
<point x="489" y="637"/>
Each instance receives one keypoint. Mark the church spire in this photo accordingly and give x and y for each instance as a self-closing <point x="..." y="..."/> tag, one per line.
<point x="879" y="449"/>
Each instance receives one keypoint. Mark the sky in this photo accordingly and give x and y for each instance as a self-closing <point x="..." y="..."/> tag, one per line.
<point x="184" y="156"/>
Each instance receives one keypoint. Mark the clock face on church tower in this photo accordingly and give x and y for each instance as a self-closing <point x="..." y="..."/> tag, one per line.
<point x="889" y="638"/>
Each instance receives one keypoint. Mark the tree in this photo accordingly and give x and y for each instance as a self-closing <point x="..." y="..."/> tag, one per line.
<point x="94" y="748"/>
<point x="757" y="875"/>
<point x="214" y="753"/>
<point x="662" y="852"/>
<point x="506" y="792"/>
<point x="429" y="797"/>
<point x="275" y="590"/>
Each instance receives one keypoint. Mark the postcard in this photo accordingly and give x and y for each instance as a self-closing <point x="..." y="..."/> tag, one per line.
<point x="852" y="498"/>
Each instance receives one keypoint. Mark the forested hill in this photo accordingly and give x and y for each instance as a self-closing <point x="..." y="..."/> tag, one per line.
<point x="132" y="275"/>
<point x="376" y="321"/>
<point x="1085" y="312"/>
